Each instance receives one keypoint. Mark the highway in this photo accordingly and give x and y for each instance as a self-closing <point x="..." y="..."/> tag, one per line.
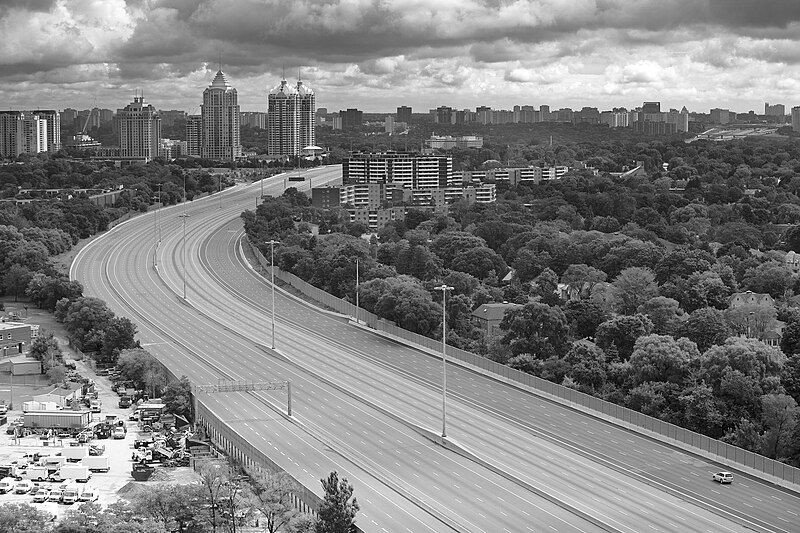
<point x="363" y="404"/>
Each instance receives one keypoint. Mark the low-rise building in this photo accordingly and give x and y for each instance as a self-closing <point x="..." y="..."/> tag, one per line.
<point x="375" y="219"/>
<point x="15" y="338"/>
<point x="489" y="316"/>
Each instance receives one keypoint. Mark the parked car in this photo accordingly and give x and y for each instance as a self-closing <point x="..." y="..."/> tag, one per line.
<point x="723" y="477"/>
<point x="42" y="495"/>
<point x="119" y="432"/>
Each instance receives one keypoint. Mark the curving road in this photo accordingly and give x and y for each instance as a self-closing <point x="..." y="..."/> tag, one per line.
<point x="363" y="405"/>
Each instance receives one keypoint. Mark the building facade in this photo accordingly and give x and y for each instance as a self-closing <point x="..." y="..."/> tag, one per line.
<point x="404" y="114"/>
<point x="306" y="109"/>
<point x="284" y="133"/>
<point x="22" y="132"/>
<point x="53" y="119"/>
<point x="138" y="130"/>
<point x="221" y="136"/>
<point x="796" y="119"/>
<point x="194" y="135"/>
<point x="405" y="170"/>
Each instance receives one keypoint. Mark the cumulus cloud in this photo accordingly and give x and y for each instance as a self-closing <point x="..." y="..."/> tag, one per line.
<point x="472" y="51"/>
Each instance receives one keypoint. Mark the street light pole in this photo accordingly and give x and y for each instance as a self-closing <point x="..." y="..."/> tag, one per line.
<point x="357" y="291"/>
<point x="272" y="244"/>
<point x="444" y="288"/>
<point x="159" y="207"/>
<point x="184" y="216"/>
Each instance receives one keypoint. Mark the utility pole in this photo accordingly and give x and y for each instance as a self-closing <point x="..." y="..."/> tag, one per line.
<point x="272" y="244"/>
<point x="444" y="288"/>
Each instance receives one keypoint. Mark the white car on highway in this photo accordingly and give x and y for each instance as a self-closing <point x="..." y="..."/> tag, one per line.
<point x="723" y="477"/>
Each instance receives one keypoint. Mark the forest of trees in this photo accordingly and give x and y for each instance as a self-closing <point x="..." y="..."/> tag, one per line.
<point x="623" y="284"/>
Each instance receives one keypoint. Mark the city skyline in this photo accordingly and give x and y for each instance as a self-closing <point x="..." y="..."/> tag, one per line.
<point x="376" y="56"/>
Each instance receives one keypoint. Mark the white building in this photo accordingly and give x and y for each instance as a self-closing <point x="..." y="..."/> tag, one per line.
<point x="221" y="137"/>
<point x="306" y="111"/>
<point x="22" y="132"/>
<point x="284" y="133"/>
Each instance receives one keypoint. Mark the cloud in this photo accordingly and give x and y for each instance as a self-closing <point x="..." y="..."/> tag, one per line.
<point x="373" y="51"/>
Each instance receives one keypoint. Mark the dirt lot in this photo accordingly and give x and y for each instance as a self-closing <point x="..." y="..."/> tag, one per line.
<point x="112" y="485"/>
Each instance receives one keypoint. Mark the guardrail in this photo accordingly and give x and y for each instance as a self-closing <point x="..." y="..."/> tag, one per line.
<point x="648" y="425"/>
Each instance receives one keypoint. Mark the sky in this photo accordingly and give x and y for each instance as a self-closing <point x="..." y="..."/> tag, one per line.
<point x="378" y="54"/>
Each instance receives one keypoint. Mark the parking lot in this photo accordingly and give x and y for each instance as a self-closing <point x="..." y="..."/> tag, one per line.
<point x="111" y="485"/>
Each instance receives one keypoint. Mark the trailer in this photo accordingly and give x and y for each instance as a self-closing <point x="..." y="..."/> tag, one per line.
<point x="96" y="463"/>
<point x="71" y="420"/>
<point x="79" y="473"/>
<point x="75" y="454"/>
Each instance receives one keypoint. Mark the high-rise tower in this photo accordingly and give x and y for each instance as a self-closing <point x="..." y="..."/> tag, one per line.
<point x="306" y="109"/>
<point x="139" y="130"/>
<point x="284" y="134"/>
<point x="220" y="137"/>
<point x="291" y="118"/>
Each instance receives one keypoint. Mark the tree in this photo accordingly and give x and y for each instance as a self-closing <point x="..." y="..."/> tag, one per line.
<point x="57" y="374"/>
<point x="706" y="327"/>
<point x="665" y="314"/>
<point x="479" y="261"/>
<point x="339" y="507"/>
<point x="662" y="358"/>
<point x="750" y="357"/>
<point x="273" y="498"/>
<point x="177" y="396"/>
<point x="135" y="364"/>
<point x="545" y="286"/>
<point x="170" y="505"/>
<point x="618" y="335"/>
<point x="403" y="300"/>
<point x="790" y="338"/>
<point x="213" y="481"/>
<point x="633" y="287"/>
<point x="750" y="320"/>
<point x="772" y="278"/>
<point x="24" y="518"/>
<point x="85" y="320"/>
<point x="16" y="280"/>
<point x="582" y="278"/>
<point x="45" y="348"/>
<point x="536" y="329"/>
<point x="584" y="317"/>
<point x="779" y="416"/>
<point x="588" y="365"/>
<point x="119" y="334"/>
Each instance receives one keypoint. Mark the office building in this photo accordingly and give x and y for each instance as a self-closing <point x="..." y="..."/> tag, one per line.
<point x="404" y="114"/>
<point x="388" y="125"/>
<point x="796" y="119"/>
<point x="254" y="119"/>
<point x="220" y="115"/>
<point x="194" y="135"/>
<point x="138" y="130"/>
<point x="306" y="109"/>
<point x="406" y="170"/>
